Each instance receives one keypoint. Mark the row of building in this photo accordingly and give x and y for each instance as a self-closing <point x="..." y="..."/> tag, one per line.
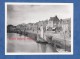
<point x="53" y="24"/>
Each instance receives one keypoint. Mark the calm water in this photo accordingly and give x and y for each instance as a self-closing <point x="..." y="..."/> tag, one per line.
<point x="21" y="43"/>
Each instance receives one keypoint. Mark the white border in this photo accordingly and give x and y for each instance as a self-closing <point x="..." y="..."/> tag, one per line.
<point x="10" y="3"/>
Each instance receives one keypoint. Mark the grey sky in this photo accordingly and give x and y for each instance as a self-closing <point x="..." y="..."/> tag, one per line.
<point x="17" y="14"/>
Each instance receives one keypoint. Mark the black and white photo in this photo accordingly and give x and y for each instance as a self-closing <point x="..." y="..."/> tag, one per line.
<point x="39" y="28"/>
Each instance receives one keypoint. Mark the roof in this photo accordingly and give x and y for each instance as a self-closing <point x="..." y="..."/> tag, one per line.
<point x="54" y="18"/>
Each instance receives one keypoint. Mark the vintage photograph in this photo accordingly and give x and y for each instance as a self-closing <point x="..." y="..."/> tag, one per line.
<point x="45" y="28"/>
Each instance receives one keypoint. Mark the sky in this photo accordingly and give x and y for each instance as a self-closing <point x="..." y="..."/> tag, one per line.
<point x="18" y="14"/>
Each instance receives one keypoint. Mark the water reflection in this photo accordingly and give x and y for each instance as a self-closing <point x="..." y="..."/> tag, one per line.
<point x="27" y="45"/>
